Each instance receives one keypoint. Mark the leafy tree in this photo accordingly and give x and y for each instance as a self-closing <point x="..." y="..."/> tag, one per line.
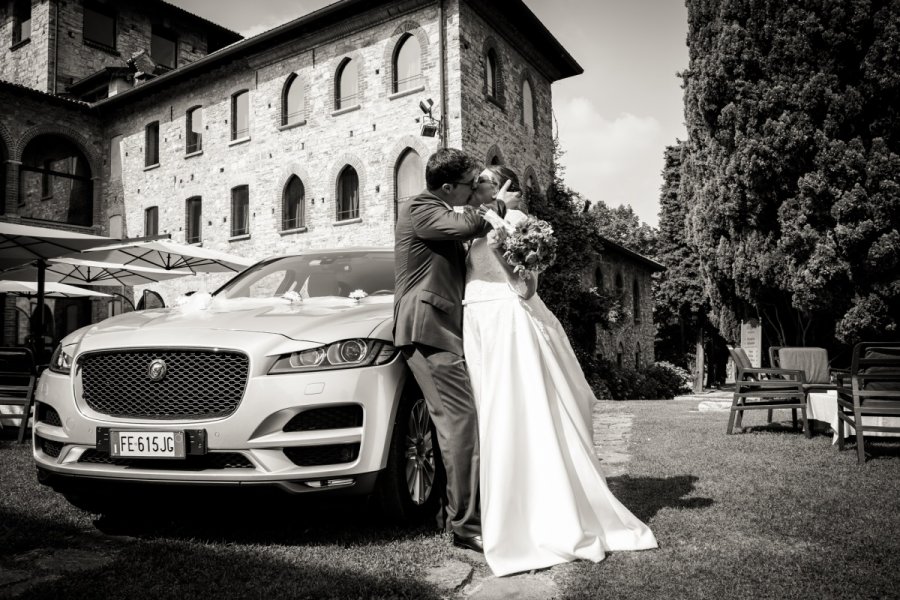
<point x="681" y="307"/>
<point x="580" y="309"/>
<point x="623" y="226"/>
<point x="793" y="173"/>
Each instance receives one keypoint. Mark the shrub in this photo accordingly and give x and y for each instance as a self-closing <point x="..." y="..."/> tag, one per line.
<point x="660" y="380"/>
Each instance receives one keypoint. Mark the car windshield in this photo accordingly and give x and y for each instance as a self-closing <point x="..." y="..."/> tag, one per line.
<point x="315" y="275"/>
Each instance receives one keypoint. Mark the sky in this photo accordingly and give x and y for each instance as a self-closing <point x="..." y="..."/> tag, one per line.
<point x="614" y="120"/>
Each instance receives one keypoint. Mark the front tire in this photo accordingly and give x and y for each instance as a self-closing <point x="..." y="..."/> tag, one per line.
<point x="413" y="482"/>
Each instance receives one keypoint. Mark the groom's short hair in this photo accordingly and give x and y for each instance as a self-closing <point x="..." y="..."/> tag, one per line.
<point x="448" y="165"/>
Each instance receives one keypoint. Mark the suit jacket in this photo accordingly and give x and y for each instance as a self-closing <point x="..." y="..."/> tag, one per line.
<point x="430" y="271"/>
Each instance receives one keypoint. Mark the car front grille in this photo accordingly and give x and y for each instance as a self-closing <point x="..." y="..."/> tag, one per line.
<point x="330" y="454"/>
<point x="328" y="417"/>
<point x="47" y="414"/>
<point x="49" y="447"/>
<point x="203" y="462"/>
<point x="198" y="384"/>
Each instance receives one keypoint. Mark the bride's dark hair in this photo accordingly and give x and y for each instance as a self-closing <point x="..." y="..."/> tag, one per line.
<point x="502" y="173"/>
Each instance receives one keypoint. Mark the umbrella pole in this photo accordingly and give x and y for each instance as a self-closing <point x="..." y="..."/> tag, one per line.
<point x="38" y="336"/>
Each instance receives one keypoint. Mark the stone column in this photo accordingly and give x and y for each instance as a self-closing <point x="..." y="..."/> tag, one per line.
<point x="11" y="193"/>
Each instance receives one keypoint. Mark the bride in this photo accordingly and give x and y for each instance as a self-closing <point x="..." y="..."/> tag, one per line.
<point x="544" y="499"/>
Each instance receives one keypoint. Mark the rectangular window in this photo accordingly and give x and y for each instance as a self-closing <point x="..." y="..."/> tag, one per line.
<point x="240" y="115"/>
<point x="115" y="158"/>
<point x="194" y="130"/>
<point x="21" y="21"/>
<point x="151" y="144"/>
<point x="151" y="221"/>
<point x="164" y="47"/>
<point x="100" y="25"/>
<point x="240" y="210"/>
<point x="193" y="217"/>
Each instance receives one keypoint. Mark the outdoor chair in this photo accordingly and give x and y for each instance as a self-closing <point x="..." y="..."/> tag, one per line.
<point x="871" y="388"/>
<point x="765" y="389"/>
<point x="812" y="361"/>
<point x="17" y="380"/>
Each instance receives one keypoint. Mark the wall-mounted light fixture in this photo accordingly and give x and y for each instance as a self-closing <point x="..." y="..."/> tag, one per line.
<point x="431" y="127"/>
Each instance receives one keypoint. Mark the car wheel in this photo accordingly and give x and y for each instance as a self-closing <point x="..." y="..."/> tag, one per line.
<point x="413" y="482"/>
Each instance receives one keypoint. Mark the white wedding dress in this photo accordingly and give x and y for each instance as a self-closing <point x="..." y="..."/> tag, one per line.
<point x="544" y="499"/>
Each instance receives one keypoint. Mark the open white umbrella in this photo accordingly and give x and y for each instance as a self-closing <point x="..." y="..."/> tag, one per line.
<point x="23" y="244"/>
<point x="51" y="290"/>
<point x="91" y="272"/>
<point x="166" y="254"/>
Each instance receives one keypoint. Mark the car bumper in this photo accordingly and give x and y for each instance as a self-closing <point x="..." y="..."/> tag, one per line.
<point x="253" y="434"/>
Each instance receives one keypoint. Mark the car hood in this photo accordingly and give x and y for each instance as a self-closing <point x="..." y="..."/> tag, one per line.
<point x="319" y="320"/>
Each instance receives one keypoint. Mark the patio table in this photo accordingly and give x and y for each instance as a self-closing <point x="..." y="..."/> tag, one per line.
<point x="822" y="406"/>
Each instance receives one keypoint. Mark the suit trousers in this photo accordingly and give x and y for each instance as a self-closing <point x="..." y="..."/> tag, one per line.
<point x="444" y="380"/>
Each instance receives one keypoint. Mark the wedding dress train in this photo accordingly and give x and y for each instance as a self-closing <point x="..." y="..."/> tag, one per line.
<point x="544" y="499"/>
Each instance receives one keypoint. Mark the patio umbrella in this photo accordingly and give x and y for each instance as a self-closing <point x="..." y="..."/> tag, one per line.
<point x="166" y="254"/>
<point x="24" y="244"/>
<point x="51" y="289"/>
<point x="92" y="272"/>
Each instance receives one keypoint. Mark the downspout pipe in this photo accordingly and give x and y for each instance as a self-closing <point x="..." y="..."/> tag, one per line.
<point x="443" y="69"/>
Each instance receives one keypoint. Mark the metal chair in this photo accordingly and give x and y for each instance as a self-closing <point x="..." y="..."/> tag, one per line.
<point x="871" y="388"/>
<point x="765" y="389"/>
<point x="17" y="381"/>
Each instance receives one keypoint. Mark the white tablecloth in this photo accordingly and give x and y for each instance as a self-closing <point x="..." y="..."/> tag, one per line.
<point x="823" y="407"/>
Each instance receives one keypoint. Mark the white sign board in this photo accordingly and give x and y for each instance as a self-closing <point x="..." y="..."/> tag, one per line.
<point x="751" y="341"/>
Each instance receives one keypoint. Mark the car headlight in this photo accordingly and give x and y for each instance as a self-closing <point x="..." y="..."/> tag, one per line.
<point x="346" y="354"/>
<point x="61" y="360"/>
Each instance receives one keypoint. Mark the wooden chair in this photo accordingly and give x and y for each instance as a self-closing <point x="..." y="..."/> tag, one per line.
<point x="765" y="389"/>
<point x="17" y="381"/>
<point x="871" y="388"/>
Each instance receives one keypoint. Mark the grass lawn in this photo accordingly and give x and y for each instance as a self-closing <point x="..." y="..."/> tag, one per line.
<point x="761" y="514"/>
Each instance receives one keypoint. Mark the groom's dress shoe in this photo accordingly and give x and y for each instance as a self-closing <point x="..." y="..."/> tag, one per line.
<point x="469" y="543"/>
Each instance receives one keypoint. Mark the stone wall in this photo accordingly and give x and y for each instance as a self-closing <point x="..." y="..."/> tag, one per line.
<point x="494" y="127"/>
<point x="628" y="335"/>
<point x="26" y="63"/>
<point x="78" y="58"/>
<point x="370" y="138"/>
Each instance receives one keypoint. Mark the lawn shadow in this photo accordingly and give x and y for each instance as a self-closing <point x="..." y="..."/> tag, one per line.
<point x="184" y="568"/>
<point x="646" y="496"/>
<point x="256" y="516"/>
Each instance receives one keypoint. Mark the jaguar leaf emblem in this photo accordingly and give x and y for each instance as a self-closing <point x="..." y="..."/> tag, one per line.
<point x="157" y="370"/>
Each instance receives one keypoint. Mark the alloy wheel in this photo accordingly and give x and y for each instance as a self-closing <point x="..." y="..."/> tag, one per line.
<point x="420" y="460"/>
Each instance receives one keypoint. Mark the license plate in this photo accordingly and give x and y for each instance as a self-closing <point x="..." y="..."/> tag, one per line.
<point x="146" y="444"/>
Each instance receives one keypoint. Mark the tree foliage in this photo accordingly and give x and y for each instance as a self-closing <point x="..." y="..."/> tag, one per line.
<point x="792" y="166"/>
<point x="623" y="226"/>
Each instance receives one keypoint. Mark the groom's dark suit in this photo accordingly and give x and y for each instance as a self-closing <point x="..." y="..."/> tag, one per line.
<point x="430" y="271"/>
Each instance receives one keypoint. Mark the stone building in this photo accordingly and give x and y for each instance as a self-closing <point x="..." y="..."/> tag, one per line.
<point x="138" y="119"/>
<point x="629" y="276"/>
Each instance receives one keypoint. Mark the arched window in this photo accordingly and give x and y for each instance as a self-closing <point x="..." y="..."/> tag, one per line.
<point x="240" y="115"/>
<point x="346" y="91"/>
<point x="636" y="301"/>
<point x="490" y="73"/>
<point x="598" y="279"/>
<point x="410" y="178"/>
<point x="620" y="284"/>
<point x="620" y="355"/>
<point x="293" y="215"/>
<point x="194" y="130"/>
<point x="55" y="181"/>
<point x="407" y="64"/>
<point x="530" y="183"/>
<point x="637" y="356"/>
<point x="293" y="104"/>
<point x="495" y="160"/>
<point x="527" y="106"/>
<point x="348" y="194"/>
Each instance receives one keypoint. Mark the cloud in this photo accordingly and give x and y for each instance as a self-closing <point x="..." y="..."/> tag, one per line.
<point x="617" y="161"/>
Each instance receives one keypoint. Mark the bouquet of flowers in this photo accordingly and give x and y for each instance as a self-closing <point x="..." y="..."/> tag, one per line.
<point x="529" y="245"/>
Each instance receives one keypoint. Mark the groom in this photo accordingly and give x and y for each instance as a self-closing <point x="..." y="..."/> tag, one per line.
<point x="430" y="271"/>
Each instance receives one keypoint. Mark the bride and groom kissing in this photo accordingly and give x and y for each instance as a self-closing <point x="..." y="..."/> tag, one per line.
<point x="509" y="401"/>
